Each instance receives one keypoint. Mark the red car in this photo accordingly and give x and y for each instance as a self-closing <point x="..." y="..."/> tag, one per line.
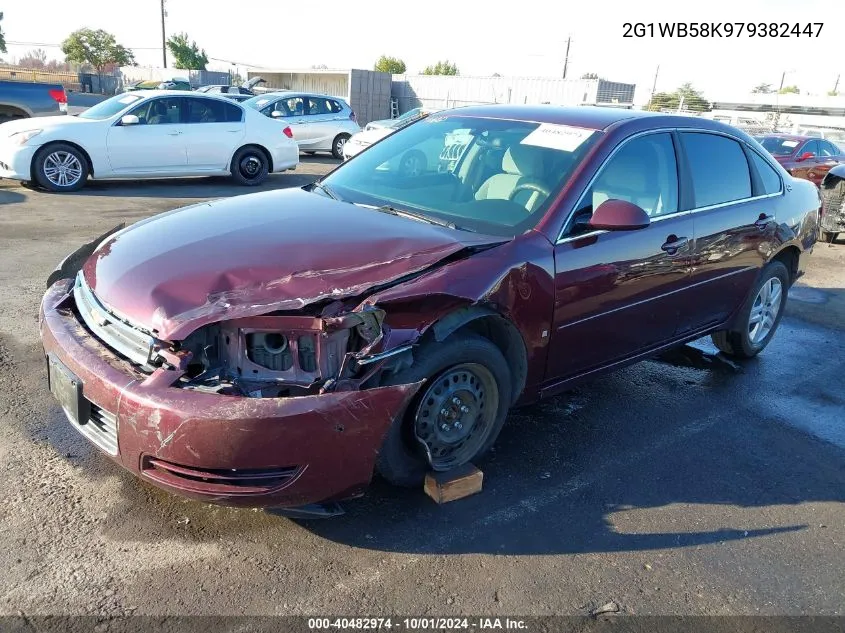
<point x="277" y="348"/>
<point x="803" y="156"/>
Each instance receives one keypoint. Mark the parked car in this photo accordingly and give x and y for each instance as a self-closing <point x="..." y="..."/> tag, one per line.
<point x="154" y="84"/>
<point x="377" y="130"/>
<point x="320" y="123"/>
<point x="803" y="156"/>
<point x="244" y="90"/>
<point x="147" y="134"/>
<point x="25" y="99"/>
<point x="408" y="117"/>
<point x="276" y="348"/>
<point x="832" y="221"/>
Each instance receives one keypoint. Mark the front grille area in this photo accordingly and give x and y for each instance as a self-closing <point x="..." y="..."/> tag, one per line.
<point x="100" y="428"/>
<point x="121" y="337"/>
<point x="224" y="481"/>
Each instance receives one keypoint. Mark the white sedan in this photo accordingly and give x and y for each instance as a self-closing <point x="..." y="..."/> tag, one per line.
<point x="147" y="134"/>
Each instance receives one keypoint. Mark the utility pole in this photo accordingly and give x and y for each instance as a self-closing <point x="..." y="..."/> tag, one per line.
<point x="836" y="85"/>
<point x="654" y="85"/>
<point x="163" y="38"/>
<point x="566" y="58"/>
<point x="782" y="77"/>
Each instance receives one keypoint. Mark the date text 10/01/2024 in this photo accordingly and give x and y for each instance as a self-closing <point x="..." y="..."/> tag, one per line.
<point x="417" y="624"/>
<point x="722" y="29"/>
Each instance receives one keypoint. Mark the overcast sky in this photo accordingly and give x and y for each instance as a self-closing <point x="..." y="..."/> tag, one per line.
<point x="528" y="38"/>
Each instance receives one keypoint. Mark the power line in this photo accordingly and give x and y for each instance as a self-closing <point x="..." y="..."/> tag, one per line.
<point x="134" y="48"/>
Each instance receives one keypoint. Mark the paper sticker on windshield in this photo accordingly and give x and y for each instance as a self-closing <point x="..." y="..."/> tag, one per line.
<point x="790" y="143"/>
<point x="129" y="99"/>
<point x="561" y="137"/>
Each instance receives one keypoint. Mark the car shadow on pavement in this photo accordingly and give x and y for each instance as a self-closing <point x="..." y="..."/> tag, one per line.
<point x="206" y="187"/>
<point x="10" y="197"/>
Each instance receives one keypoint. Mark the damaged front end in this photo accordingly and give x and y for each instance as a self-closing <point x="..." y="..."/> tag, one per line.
<point x="277" y="355"/>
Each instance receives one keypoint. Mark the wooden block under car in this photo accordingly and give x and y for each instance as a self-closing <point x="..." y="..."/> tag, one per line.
<point x="455" y="484"/>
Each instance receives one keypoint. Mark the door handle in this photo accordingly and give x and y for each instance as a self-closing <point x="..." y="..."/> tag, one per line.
<point x="763" y="221"/>
<point x="174" y="133"/>
<point x="673" y="244"/>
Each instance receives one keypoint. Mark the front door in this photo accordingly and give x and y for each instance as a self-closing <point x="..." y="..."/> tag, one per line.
<point x="620" y="293"/>
<point x="156" y="144"/>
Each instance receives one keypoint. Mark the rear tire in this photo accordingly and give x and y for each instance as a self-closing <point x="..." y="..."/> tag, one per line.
<point x="250" y="166"/>
<point x="60" y="167"/>
<point x="760" y="315"/>
<point x="402" y="459"/>
<point x="337" y="145"/>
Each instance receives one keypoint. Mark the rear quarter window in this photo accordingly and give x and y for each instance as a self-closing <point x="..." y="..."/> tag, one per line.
<point x="718" y="167"/>
<point x="769" y="178"/>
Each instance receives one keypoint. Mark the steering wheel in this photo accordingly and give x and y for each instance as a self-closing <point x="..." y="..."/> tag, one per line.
<point x="529" y="186"/>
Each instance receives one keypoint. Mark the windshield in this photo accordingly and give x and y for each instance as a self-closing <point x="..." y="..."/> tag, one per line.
<point x="110" y="107"/>
<point x="778" y="146"/>
<point x="488" y="175"/>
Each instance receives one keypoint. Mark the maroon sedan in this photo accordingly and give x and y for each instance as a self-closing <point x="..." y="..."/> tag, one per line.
<point x="278" y="348"/>
<point x="803" y="156"/>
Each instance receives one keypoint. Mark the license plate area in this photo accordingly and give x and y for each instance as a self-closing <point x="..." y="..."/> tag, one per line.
<point x="67" y="388"/>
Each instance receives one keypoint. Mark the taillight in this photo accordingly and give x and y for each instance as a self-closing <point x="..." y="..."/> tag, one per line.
<point x="352" y="116"/>
<point x="288" y="132"/>
<point x="58" y="94"/>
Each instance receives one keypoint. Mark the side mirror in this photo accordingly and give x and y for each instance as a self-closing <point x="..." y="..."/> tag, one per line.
<point x="619" y="215"/>
<point x="129" y="119"/>
<point x="805" y="156"/>
<point x="276" y="114"/>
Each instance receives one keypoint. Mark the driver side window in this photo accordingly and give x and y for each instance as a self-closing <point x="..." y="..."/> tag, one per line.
<point x="162" y="111"/>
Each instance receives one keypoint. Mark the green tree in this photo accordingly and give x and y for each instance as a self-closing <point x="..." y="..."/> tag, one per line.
<point x="686" y="97"/>
<point x="789" y="90"/>
<point x="97" y="48"/>
<point x="832" y="93"/>
<point x="762" y="89"/>
<point x="2" y="37"/>
<point x="187" y="55"/>
<point x="392" y="65"/>
<point x="442" y="68"/>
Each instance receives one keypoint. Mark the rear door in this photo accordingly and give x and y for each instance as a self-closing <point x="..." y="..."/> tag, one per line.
<point x="323" y="118"/>
<point x="156" y="144"/>
<point x="735" y="199"/>
<point x="620" y="293"/>
<point x="213" y="131"/>
<point x="293" y="110"/>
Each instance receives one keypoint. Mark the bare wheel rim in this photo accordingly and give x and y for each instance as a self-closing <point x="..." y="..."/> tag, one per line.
<point x="456" y="414"/>
<point x="250" y="166"/>
<point x="62" y="168"/>
<point x="765" y="310"/>
<point x="339" y="143"/>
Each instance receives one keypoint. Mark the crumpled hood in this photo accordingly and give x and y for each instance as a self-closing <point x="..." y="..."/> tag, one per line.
<point x="252" y="254"/>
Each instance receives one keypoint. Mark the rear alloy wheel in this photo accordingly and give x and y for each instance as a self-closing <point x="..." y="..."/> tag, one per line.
<point x="457" y="413"/>
<point x="60" y="167"/>
<point x="337" y="145"/>
<point x="250" y="166"/>
<point x="760" y="316"/>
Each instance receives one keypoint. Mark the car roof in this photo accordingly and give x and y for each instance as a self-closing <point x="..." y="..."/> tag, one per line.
<point x="304" y="93"/>
<point x="590" y="117"/>
<point x="181" y="93"/>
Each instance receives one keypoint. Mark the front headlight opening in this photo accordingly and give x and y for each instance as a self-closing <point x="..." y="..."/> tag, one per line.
<point x="19" y="138"/>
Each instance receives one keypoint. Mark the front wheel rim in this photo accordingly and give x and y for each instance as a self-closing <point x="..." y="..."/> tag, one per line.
<point x="338" y="146"/>
<point x="456" y="415"/>
<point x="62" y="168"/>
<point x="765" y="310"/>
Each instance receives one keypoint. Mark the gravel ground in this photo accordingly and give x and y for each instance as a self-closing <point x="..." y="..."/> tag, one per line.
<point x="667" y="489"/>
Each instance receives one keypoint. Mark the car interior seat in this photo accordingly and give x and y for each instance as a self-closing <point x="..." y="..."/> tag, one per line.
<point x="520" y="164"/>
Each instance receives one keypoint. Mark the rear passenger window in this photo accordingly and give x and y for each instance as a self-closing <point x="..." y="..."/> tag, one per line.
<point x="212" y="111"/>
<point x="768" y="176"/>
<point x="719" y="169"/>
